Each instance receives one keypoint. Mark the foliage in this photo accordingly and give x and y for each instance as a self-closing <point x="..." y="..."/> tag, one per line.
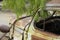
<point x="21" y="7"/>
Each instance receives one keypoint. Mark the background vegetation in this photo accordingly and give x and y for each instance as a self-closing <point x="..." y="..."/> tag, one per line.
<point x="28" y="7"/>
